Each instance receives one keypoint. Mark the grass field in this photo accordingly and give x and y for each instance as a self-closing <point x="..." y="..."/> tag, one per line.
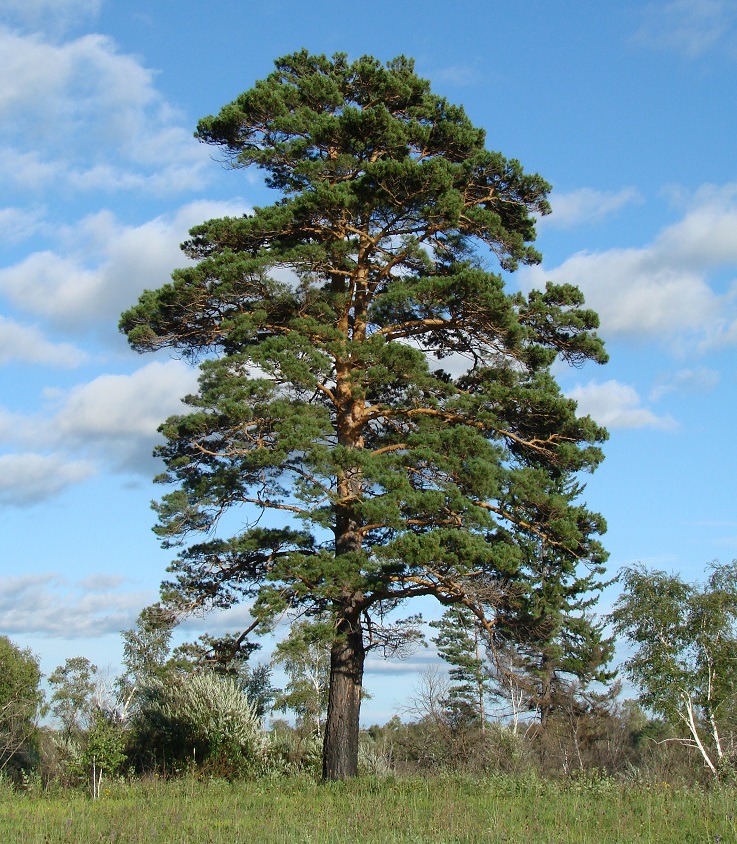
<point x="411" y="811"/>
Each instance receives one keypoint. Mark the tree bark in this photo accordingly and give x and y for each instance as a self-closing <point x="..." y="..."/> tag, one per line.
<point x="347" y="655"/>
<point x="340" y="748"/>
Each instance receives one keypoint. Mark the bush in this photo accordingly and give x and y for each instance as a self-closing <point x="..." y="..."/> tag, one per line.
<point x="202" y="720"/>
<point x="294" y="751"/>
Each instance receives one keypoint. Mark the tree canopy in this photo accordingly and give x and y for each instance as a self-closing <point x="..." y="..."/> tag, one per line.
<point x="684" y="637"/>
<point x="73" y="686"/>
<point x="363" y="372"/>
<point x="21" y="703"/>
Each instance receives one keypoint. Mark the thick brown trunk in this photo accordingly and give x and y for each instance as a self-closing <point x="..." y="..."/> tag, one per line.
<point x="340" y="748"/>
<point x="347" y="656"/>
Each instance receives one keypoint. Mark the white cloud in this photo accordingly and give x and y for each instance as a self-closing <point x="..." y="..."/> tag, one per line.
<point x="111" y="422"/>
<point x="636" y="291"/>
<point x="586" y="206"/>
<point x="119" y="133"/>
<point x="29" y="169"/>
<point x="47" y="604"/>
<point x="30" y="478"/>
<point x="102" y="265"/>
<point x="706" y="237"/>
<point x="688" y="27"/>
<point x="662" y="290"/>
<point x="237" y="617"/>
<point x="53" y="286"/>
<point x="616" y="405"/>
<point x="689" y="381"/>
<point x="417" y="664"/>
<point x="117" y="416"/>
<point x="102" y="582"/>
<point x="25" y="343"/>
<point x="40" y="79"/>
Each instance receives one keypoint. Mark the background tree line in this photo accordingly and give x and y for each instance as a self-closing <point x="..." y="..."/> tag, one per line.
<point x="205" y="707"/>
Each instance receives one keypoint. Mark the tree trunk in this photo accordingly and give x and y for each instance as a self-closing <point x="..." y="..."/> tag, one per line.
<point x="347" y="654"/>
<point x="546" y="691"/>
<point x="340" y="748"/>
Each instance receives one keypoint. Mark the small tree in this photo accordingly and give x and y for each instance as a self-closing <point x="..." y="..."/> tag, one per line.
<point x="73" y="687"/>
<point x="103" y="750"/>
<point x="462" y="643"/>
<point x="146" y="651"/>
<point x="322" y="320"/>
<point x="305" y="657"/>
<point x="228" y="655"/>
<point x="685" y="649"/>
<point x="202" y="718"/>
<point x="511" y="687"/>
<point x="546" y="633"/>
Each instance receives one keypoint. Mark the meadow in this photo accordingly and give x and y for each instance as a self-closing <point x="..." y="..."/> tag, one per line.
<point x="441" y="810"/>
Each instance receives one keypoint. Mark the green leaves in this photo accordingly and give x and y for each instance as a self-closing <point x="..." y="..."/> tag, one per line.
<point x="684" y="636"/>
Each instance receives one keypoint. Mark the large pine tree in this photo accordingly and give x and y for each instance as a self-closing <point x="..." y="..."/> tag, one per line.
<point x="322" y="322"/>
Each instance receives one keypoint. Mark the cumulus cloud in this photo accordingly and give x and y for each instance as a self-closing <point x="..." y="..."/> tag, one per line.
<point x="27" y="344"/>
<point x="586" y="206"/>
<point x="637" y="291"/>
<point x="115" y="417"/>
<point x="30" y="478"/>
<point x="102" y="265"/>
<point x="662" y="290"/>
<point x="706" y="237"/>
<point x="616" y="405"/>
<point x="119" y="133"/>
<point x="108" y="423"/>
<point x="27" y="169"/>
<point x="688" y="27"/>
<point x="49" y="605"/>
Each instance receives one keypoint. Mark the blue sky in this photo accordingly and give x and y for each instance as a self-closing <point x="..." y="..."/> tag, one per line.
<point x="627" y="108"/>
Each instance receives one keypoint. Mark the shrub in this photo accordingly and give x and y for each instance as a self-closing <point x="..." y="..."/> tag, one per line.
<point x="201" y="719"/>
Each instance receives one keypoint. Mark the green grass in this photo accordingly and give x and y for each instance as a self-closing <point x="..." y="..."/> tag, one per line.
<point x="410" y="811"/>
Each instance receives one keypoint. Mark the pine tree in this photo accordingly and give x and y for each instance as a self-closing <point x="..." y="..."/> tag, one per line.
<point x="546" y="633"/>
<point x="462" y="643"/>
<point x="316" y="320"/>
